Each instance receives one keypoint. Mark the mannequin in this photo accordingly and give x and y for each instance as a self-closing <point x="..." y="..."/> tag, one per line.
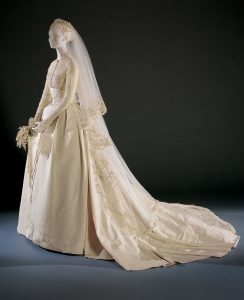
<point x="80" y="197"/>
<point x="57" y="40"/>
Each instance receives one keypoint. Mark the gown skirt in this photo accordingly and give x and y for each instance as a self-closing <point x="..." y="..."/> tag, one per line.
<point x="80" y="197"/>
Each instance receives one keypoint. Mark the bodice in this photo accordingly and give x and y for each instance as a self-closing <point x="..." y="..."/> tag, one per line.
<point x="60" y="89"/>
<point x="57" y="79"/>
<point x="57" y="95"/>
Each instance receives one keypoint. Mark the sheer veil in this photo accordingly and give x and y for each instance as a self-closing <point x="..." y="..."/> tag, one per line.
<point x="88" y="92"/>
<point x="84" y="199"/>
<point x="109" y="162"/>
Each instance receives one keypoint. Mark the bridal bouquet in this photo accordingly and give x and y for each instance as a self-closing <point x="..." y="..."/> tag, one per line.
<point x="24" y="133"/>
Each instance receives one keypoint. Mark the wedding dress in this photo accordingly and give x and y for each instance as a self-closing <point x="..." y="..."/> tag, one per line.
<point x="80" y="197"/>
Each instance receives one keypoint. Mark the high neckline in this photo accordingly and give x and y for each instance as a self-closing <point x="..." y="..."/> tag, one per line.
<point x="62" y="57"/>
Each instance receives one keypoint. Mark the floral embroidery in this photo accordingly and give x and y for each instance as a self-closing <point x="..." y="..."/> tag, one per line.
<point x="106" y="183"/>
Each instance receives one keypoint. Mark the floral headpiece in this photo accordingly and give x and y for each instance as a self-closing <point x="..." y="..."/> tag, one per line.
<point x="66" y="26"/>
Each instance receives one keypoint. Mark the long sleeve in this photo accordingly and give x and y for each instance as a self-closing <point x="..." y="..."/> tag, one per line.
<point x="46" y="97"/>
<point x="70" y="89"/>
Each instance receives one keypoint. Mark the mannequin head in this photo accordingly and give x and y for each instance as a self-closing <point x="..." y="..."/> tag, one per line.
<point x="60" y="33"/>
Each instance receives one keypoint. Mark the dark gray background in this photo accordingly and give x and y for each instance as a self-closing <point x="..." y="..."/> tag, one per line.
<point x="170" y="72"/>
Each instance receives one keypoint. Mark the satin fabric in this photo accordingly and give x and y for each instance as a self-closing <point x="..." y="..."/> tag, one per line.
<point x="81" y="199"/>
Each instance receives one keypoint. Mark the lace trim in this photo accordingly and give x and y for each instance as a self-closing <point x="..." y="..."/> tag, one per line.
<point x="106" y="177"/>
<point x="102" y="109"/>
<point x="203" y="214"/>
<point x="85" y="121"/>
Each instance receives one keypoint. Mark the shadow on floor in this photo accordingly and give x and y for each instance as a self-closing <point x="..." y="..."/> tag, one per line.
<point x="28" y="271"/>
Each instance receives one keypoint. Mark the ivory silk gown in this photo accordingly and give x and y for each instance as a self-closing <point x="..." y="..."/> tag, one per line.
<point x="75" y="199"/>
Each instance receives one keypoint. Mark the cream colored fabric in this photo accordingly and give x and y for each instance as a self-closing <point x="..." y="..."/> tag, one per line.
<point x="81" y="197"/>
